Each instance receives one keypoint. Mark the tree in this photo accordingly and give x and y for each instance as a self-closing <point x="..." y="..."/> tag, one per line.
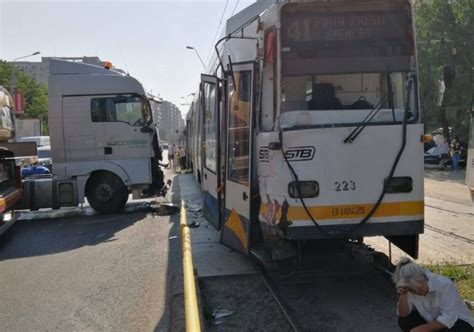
<point x="36" y="95"/>
<point x="442" y="26"/>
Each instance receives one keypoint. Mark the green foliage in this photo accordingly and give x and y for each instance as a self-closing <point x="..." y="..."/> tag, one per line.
<point x="441" y="25"/>
<point x="36" y="95"/>
<point x="461" y="275"/>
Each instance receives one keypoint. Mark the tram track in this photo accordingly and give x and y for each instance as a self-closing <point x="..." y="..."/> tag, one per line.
<point x="276" y="283"/>
<point x="467" y="214"/>
<point x="449" y="234"/>
<point x="279" y="299"/>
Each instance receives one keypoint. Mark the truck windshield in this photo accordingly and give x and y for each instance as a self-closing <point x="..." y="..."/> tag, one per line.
<point x="134" y="110"/>
<point x="346" y="92"/>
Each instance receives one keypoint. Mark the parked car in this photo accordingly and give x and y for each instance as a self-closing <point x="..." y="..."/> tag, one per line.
<point x="44" y="157"/>
<point x="34" y="170"/>
<point x="433" y="158"/>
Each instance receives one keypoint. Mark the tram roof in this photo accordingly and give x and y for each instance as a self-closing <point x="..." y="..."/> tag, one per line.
<point x="247" y="14"/>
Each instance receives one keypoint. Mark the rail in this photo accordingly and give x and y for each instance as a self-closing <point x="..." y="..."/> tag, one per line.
<point x="193" y="322"/>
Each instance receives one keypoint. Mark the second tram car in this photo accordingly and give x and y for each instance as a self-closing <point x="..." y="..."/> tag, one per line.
<point x="307" y="126"/>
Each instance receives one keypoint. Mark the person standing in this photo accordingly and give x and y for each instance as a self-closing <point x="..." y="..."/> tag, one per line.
<point x="455" y="155"/>
<point x="429" y="302"/>
<point x="171" y="152"/>
<point x="177" y="157"/>
<point x="444" y="151"/>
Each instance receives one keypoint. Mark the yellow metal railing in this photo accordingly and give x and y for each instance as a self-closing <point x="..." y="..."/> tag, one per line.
<point x="190" y="297"/>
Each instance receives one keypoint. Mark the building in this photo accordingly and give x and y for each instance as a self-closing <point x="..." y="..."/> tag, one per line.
<point x="39" y="71"/>
<point x="155" y="104"/>
<point x="171" y="122"/>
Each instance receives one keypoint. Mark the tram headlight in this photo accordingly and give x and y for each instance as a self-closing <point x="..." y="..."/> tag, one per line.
<point x="402" y="184"/>
<point x="308" y="189"/>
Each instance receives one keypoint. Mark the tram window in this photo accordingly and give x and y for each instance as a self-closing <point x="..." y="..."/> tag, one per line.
<point x="347" y="92"/>
<point x="239" y="127"/>
<point x="210" y="122"/>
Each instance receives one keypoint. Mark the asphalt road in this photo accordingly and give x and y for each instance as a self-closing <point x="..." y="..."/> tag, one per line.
<point x="88" y="273"/>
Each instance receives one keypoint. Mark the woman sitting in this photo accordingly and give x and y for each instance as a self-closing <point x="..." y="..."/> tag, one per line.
<point x="429" y="302"/>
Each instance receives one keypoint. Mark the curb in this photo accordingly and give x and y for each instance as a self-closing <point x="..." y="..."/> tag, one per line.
<point x="176" y="290"/>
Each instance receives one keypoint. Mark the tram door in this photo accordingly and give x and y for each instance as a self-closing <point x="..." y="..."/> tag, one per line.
<point x="210" y="149"/>
<point x="235" y="232"/>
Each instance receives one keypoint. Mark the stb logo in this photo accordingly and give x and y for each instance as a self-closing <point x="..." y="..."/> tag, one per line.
<point x="301" y="153"/>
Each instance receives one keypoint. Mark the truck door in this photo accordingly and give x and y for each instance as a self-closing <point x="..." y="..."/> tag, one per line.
<point x="128" y="134"/>
<point x="82" y="130"/>
<point x="210" y="149"/>
<point x="235" y="233"/>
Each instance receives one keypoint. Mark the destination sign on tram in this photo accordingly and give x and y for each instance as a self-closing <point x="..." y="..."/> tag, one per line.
<point x="346" y="33"/>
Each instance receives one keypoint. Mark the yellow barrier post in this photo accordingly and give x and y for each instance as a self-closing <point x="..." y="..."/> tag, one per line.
<point x="190" y="298"/>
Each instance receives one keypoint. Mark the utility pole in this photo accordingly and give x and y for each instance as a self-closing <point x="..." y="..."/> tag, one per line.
<point x="13" y="75"/>
<point x="449" y="74"/>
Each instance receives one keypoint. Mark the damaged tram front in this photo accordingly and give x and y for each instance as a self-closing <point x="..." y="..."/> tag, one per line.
<point x="311" y="128"/>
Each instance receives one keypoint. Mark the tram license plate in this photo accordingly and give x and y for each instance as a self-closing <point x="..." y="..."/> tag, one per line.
<point x="349" y="211"/>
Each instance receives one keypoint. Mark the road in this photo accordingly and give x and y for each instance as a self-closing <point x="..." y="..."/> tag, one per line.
<point x="449" y="221"/>
<point x="89" y="272"/>
<point x="96" y="272"/>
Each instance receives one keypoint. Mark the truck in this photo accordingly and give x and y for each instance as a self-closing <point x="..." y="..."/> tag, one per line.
<point x="104" y="145"/>
<point x="10" y="179"/>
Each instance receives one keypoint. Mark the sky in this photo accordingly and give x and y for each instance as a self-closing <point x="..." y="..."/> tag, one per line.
<point x="146" y="38"/>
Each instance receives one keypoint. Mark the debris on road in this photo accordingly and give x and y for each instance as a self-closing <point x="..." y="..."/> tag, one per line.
<point x="194" y="208"/>
<point x="164" y="209"/>
<point x="221" y="313"/>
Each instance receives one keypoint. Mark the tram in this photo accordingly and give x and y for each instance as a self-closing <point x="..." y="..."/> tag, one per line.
<point x="307" y="126"/>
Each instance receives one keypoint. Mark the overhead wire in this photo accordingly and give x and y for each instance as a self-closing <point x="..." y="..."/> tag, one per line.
<point x="235" y="7"/>
<point x="217" y="30"/>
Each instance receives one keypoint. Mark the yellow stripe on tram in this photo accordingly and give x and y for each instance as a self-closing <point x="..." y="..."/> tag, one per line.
<point x="350" y="211"/>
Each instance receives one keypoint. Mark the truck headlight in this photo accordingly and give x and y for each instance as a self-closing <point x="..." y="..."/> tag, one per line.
<point x="308" y="189"/>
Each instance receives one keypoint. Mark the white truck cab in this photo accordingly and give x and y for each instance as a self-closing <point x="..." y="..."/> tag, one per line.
<point x="103" y="140"/>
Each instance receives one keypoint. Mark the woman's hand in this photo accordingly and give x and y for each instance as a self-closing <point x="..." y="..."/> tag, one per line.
<point x="402" y="290"/>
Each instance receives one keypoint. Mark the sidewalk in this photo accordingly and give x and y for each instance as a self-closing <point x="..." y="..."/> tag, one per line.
<point x="210" y="258"/>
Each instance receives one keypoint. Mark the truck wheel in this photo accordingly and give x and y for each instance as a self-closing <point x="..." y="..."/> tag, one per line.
<point x="106" y="193"/>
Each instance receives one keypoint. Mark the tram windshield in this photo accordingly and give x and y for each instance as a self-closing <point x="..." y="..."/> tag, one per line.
<point x="349" y="94"/>
<point x="346" y="57"/>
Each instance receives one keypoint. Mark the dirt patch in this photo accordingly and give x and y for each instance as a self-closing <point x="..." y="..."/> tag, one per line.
<point x="247" y="297"/>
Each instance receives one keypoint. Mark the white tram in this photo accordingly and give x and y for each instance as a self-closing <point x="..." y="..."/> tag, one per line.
<point x="307" y="126"/>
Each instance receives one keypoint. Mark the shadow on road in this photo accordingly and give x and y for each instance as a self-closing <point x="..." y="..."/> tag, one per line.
<point x="51" y="236"/>
<point x="42" y="237"/>
<point x="174" y="272"/>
